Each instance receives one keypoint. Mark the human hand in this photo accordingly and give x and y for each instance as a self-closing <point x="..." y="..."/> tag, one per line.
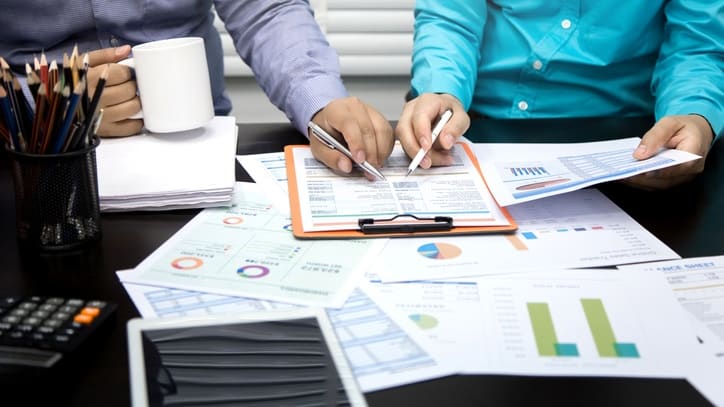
<point x="119" y="100"/>
<point x="414" y="130"/>
<point x="366" y="132"/>
<point x="691" y="133"/>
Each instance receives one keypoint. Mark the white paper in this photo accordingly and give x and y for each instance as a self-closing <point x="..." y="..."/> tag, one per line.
<point x="520" y="172"/>
<point x="698" y="284"/>
<point x="382" y="352"/>
<point x="269" y="170"/>
<point x="249" y="250"/>
<point x="575" y="230"/>
<point x="495" y="324"/>
<point x="332" y="202"/>
<point x="152" y="171"/>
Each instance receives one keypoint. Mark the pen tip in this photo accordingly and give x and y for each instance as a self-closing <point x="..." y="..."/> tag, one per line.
<point x="408" y="173"/>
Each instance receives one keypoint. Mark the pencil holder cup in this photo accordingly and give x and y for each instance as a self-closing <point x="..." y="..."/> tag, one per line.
<point x="56" y="198"/>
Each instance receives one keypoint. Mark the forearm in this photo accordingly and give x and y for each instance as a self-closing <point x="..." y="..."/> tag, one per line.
<point x="447" y="47"/>
<point x="689" y="73"/>
<point x="288" y="53"/>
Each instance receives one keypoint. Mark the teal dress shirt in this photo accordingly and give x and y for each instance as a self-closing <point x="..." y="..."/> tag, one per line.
<point x="568" y="58"/>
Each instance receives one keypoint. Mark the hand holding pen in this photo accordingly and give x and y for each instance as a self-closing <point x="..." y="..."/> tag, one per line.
<point x="333" y="144"/>
<point x="364" y="136"/>
<point x="427" y="131"/>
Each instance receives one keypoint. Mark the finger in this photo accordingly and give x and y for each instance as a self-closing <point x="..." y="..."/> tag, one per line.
<point x="113" y="95"/>
<point x="121" y="111"/>
<point x="384" y="136"/>
<point x="454" y="129"/>
<point x="331" y="158"/>
<point x="427" y="110"/>
<point x="657" y="137"/>
<point x="121" y="128"/>
<point x="404" y="132"/>
<point x="116" y="74"/>
<point x="108" y="55"/>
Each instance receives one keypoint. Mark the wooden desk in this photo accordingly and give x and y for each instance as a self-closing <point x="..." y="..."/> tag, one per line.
<point x="687" y="218"/>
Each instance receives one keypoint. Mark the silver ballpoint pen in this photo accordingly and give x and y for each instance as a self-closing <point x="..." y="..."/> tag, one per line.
<point x="332" y="143"/>
<point x="435" y="132"/>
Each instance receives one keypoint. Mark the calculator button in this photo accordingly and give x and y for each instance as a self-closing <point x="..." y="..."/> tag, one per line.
<point x="53" y="323"/>
<point x="91" y="311"/>
<point x="96" y="304"/>
<point x="48" y="307"/>
<point x="27" y="305"/>
<point x="11" y="319"/>
<point x="75" y="302"/>
<point x="83" y="319"/>
<point x="4" y="326"/>
<point x="54" y="301"/>
<point x="45" y="329"/>
<point x="40" y="314"/>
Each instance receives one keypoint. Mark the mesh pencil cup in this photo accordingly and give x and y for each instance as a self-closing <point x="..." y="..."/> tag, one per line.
<point x="56" y="198"/>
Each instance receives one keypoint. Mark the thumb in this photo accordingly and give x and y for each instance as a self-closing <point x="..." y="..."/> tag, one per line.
<point x="657" y="137"/>
<point x="108" y="55"/>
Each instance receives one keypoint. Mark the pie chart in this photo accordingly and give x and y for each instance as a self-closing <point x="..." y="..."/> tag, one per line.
<point x="439" y="251"/>
<point x="424" y="321"/>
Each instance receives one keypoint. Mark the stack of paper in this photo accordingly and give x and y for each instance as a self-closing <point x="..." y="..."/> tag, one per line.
<point x="152" y="171"/>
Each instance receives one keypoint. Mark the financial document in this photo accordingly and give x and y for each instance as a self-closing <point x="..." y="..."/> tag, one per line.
<point x="330" y="202"/>
<point x="698" y="284"/>
<point x="249" y="250"/>
<point x="575" y="230"/>
<point x="553" y="322"/>
<point x="269" y="170"/>
<point x="520" y="172"/>
<point x="380" y="350"/>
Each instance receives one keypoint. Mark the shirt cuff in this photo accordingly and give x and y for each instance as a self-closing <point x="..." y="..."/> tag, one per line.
<point x="312" y="96"/>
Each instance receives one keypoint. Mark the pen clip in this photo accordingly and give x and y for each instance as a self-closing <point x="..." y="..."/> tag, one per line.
<point x="394" y="225"/>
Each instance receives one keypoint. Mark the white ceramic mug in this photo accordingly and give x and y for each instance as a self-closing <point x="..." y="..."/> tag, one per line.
<point x="173" y="83"/>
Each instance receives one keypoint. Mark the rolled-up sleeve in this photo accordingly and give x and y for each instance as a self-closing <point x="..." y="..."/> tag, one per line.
<point x="290" y="57"/>
<point x="689" y="73"/>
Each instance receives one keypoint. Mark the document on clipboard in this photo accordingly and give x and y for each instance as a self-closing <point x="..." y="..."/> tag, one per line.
<point x="438" y="201"/>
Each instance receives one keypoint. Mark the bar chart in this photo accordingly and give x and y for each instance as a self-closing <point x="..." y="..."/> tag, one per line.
<point x="598" y="323"/>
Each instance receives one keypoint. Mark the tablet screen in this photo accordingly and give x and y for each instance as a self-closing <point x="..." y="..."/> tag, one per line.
<point x="260" y="363"/>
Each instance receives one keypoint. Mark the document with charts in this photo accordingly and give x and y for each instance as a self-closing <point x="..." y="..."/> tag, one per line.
<point x="322" y="201"/>
<point x="520" y="172"/>
<point x="575" y="230"/>
<point x="553" y="322"/>
<point x="698" y="284"/>
<point x="383" y="351"/>
<point x="269" y="171"/>
<point x="248" y="250"/>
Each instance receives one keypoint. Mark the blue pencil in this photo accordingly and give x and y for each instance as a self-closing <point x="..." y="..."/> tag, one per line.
<point x="69" y="117"/>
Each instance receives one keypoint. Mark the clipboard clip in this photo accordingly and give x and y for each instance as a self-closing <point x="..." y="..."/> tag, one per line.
<point x="395" y="225"/>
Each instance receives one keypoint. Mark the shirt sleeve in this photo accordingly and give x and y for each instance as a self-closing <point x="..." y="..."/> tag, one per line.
<point x="446" y="48"/>
<point x="689" y="73"/>
<point x="291" y="59"/>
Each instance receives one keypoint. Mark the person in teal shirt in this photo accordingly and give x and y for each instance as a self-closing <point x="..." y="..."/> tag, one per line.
<point x="568" y="58"/>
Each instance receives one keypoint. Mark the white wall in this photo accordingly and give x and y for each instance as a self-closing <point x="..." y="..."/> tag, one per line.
<point x="374" y="41"/>
<point x="250" y="104"/>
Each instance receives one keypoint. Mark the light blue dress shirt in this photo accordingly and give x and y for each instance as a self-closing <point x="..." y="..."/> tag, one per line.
<point x="279" y="39"/>
<point x="563" y="58"/>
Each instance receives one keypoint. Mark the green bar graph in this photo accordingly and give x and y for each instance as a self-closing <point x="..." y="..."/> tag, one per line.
<point x="602" y="331"/>
<point x="545" y="332"/>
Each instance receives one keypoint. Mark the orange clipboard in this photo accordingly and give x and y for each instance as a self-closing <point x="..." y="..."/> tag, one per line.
<point x="435" y="226"/>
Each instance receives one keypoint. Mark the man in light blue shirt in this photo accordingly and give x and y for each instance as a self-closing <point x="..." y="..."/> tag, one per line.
<point x="566" y="58"/>
<point x="279" y="39"/>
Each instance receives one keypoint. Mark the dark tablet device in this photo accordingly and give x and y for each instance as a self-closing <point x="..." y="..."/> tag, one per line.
<point x="272" y="358"/>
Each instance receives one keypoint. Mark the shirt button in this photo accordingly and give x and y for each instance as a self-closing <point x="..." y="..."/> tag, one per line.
<point x="537" y="65"/>
<point x="523" y="105"/>
<point x="114" y="41"/>
<point x="566" y="24"/>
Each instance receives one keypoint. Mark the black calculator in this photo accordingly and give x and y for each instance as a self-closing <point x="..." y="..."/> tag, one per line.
<point x="39" y="331"/>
